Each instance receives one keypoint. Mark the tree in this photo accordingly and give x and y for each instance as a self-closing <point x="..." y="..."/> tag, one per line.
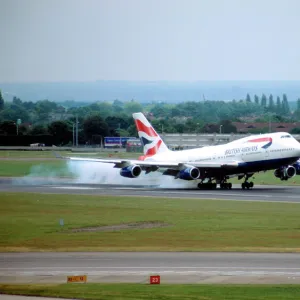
<point x="1" y="101"/>
<point x="8" y="128"/>
<point x="256" y="99"/>
<point x="263" y="101"/>
<point x="59" y="129"/>
<point x="38" y="130"/>
<point x="248" y="99"/>
<point x="132" y="107"/>
<point x="17" y="101"/>
<point x="94" y="125"/>
<point x="227" y="126"/>
<point x="278" y="105"/>
<point x="285" y="105"/>
<point x="271" y="103"/>
<point x="297" y="111"/>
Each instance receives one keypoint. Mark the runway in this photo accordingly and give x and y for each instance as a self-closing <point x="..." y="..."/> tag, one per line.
<point x="136" y="267"/>
<point x="63" y="186"/>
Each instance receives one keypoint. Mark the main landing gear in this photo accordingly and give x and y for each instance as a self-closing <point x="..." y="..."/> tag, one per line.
<point x="213" y="185"/>
<point x="247" y="185"/>
<point x="225" y="185"/>
<point x="207" y="185"/>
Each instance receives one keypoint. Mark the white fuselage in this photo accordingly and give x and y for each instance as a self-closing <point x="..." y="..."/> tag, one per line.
<point x="282" y="146"/>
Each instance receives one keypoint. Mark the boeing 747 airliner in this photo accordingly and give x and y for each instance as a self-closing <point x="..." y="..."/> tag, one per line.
<point x="212" y="165"/>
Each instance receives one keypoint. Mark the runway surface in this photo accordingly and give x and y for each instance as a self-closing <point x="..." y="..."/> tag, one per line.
<point x="136" y="267"/>
<point x="63" y="186"/>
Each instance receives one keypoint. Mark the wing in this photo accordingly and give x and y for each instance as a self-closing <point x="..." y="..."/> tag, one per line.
<point x="154" y="165"/>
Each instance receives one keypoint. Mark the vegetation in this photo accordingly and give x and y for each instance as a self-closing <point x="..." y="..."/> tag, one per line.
<point x="100" y="119"/>
<point x="30" y="222"/>
<point x="161" y="292"/>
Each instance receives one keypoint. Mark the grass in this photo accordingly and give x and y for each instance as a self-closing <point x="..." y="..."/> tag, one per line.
<point x="15" y="168"/>
<point x="30" y="222"/>
<point x="161" y="292"/>
<point x="49" y="154"/>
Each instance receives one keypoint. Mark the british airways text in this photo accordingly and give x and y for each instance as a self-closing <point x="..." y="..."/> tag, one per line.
<point x="241" y="150"/>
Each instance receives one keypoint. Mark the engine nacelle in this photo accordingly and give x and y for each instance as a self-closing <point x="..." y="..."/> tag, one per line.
<point x="131" y="171"/>
<point x="285" y="173"/>
<point x="297" y="167"/>
<point x="189" y="174"/>
<point x="278" y="173"/>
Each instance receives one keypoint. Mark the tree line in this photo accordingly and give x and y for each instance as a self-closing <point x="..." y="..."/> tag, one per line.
<point x="99" y="119"/>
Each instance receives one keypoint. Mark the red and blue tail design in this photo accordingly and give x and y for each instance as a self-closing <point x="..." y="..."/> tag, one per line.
<point x="151" y="141"/>
<point x="268" y="141"/>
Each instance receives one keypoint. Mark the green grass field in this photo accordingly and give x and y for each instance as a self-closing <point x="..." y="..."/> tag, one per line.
<point x="49" y="154"/>
<point x="161" y="292"/>
<point x="30" y="222"/>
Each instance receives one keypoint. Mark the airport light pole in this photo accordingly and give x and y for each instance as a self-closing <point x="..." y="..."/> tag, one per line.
<point x="76" y="130"/>
<point x="73" y="134"/>
<point x="221" y="129"/>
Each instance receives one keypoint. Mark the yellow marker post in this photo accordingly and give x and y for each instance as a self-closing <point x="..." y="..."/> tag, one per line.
<point x="79" y="278"/>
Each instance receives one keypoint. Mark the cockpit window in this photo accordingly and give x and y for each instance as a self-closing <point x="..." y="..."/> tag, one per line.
<point x="285" y="136"/>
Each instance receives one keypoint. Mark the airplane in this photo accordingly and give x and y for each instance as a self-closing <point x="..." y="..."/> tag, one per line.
<point x="211" y="165"/>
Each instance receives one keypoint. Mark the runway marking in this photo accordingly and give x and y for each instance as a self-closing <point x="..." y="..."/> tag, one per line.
<point x="152" y="267"/>
<point x="73" y="187"/>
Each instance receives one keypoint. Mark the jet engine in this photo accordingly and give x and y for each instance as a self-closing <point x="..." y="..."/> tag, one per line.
<point x="191" y="173"/>
<point x="284" y="173"/>
<point x="132" y="171"/>
<point x="297" y="167"/>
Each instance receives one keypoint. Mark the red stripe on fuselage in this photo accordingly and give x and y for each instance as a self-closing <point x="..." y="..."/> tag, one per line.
<point x="154" y="149"/>
<point x="142" y="127"/>
<point x="265" y="139"/>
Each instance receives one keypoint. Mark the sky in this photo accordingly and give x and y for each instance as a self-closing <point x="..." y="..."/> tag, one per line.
<point x="181" y="40"/>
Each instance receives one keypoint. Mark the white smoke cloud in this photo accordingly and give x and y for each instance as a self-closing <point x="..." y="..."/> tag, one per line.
<point x="103" y="173"/>
<point x="84" y="172"/>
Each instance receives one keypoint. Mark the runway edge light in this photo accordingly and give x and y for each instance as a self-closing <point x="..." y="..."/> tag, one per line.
<point x="79" y="278"/>
<point x="155" y="279"/>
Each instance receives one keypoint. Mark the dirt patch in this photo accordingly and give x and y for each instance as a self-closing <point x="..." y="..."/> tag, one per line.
<point x="118" y="227"/>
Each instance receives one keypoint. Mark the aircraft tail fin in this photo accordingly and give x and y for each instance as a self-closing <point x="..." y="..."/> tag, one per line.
<point x="151" y="141"/>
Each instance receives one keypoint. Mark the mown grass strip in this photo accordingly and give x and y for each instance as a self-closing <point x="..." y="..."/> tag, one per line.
<point x="30" y="222"/>
<point x="162" y="292"/>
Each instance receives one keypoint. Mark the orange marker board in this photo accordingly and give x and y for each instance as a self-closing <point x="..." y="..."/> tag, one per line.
<point x="79" y="278"/>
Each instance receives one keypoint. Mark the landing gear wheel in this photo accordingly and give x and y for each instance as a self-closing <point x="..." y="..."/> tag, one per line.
<point x="225" y="185"/>
<point x="247" y="185"/>
<point x="207" y="186"/>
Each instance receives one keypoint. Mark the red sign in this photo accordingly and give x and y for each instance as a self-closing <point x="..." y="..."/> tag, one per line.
<point x="155" y="279"/>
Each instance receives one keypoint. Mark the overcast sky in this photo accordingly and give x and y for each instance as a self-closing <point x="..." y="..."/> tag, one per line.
<point x="73" y="40"/>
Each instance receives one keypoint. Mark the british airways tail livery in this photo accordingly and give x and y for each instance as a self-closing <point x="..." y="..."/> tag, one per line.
<point x="212" y="165"/>
<point x="151" y="141"/>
